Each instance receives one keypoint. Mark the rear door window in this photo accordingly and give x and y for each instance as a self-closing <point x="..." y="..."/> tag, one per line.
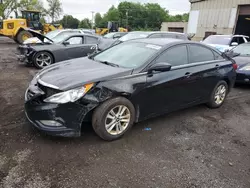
<point x="91" y="40"/>
<point x="175" y="56"/>
<point x="199" y="53"/>
<point x="75" y="40"/>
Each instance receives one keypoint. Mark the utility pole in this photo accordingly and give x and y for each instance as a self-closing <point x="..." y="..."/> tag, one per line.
<point x="92" y="25"/>
<point x="127" y="19"/>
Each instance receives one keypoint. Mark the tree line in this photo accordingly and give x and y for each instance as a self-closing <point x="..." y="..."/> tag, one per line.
<point x="134" y="16"/>
<point x="54" y="9"/>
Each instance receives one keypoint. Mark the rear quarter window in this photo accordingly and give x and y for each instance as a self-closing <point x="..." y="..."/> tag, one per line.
<point x="199" y="53"/>
<point x="91" y="40"/>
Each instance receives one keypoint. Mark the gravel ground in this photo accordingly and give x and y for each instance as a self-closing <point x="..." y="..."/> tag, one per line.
<point x="196" y="147"/>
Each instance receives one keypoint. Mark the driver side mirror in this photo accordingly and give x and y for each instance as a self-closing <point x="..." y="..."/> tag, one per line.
<point x="234" y="44"/>
<point x="161" y="67"/>
<point x="66" y="43"/>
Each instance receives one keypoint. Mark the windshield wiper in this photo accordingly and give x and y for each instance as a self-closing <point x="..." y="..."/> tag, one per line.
<point x="109" y="63"/>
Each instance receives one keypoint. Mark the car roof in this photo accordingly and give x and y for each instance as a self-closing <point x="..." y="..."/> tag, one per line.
<point x="164" y="42"/>
<point x="157" y="41"/>
<point x="155" y="32"/>
<point x="229" y="36"/>
<point x="82" y="35"/>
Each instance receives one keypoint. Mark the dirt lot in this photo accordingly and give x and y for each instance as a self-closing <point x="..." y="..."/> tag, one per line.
<point x="197" y="147"/>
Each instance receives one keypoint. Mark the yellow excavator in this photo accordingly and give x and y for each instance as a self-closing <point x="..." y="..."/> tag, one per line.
<point x="15" y="28"/>
<point x="112" y="27"/>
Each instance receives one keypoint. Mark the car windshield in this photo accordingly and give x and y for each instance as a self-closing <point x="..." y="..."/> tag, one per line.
<point x="63" y="35"/>
<point x="222" y="40"/>
<point x="131" y="36"/>
<point x="109" y="35"/>
<point x="128" y="55"/>
<point x="52" y="34"/>
<point x="243" y="49"/>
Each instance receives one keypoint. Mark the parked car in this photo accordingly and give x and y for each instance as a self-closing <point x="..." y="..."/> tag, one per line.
<point x="106" y="43"/>
<point x="60" y="49"/>
<point x="53" y="35"/>
<point x="126" y="84"/>
<point x="114" y="35"/>
<point x="225" y="42"/>
<point x="241" y="55"/>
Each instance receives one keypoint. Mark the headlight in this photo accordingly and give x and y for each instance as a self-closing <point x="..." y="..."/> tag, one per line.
<point x="69" y="96"/>
<point x="246" y="68"/>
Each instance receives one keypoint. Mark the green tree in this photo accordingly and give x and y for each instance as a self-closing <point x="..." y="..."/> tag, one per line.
<point x="69" y="21"/>
<point x="31" y="5"/>
<point x="155" y="15"/>
<point x="85" y="23"/>
<point x="98" y="19"/>
<point x="112" y="14"/>
<point x="7" y="7"/>
<point x="55" y="9"/>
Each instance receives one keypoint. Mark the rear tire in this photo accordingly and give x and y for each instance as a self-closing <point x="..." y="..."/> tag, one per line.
<point x="22" y="36"/>
<point x="118" y="113"/>
<point x="43" y="59"/>
<point x="218" y="95"/>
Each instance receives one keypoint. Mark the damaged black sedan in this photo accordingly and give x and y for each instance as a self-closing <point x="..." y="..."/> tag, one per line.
<point x="61" y="48"/>
<point x="126" y="84"/>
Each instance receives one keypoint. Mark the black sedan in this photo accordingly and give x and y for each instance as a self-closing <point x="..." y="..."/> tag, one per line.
<point x="126" y="84"/>
<point x="61" y="48"/>
<point x="241" y="54"/>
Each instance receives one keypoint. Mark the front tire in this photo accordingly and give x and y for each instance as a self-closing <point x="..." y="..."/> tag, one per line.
<point x="43" y="59"/>
<point x="112" y="119"/>
<point x="22" y="36"/>
<point x="218" y="95"/>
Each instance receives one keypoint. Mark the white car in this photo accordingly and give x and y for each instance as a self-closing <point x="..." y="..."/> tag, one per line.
<point x="55" y="35"/>
<point x="225" y="42"/>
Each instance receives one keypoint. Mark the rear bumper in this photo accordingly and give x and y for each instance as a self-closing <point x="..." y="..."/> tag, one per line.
<point x="243" y="78"/>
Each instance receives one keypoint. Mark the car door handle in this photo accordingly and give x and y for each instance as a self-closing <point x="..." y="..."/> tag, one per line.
<point x="217" y="66"/>
<point x="188" y="74"/>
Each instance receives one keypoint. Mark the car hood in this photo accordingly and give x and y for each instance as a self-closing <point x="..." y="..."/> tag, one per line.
<point x="38" y="35"/>
<point x="32" y="40"/>
<point x="77" y="72"/>
<point x="220" y="47"/>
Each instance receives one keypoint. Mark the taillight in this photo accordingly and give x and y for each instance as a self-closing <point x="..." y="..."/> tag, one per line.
<point x="235" y="66"/>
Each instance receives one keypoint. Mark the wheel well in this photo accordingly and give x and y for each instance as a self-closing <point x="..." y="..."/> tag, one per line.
<point x="228" y="83"/>
<point x="47" y="52"/>
<point x="89" y="115"/>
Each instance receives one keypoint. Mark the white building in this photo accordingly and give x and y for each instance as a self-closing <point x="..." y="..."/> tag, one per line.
<point x="174" y="27"/>
<point x="219" y="17"/>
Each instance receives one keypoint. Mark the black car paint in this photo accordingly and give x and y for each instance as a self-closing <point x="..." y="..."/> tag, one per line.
<point x="243" y="76"/>
<point x="59" y="51"/>
<point x="152" y="94"/>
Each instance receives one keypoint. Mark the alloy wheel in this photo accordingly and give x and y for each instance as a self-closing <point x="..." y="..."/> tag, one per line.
<point x="43" y="60"/>
<point x="220" y="94"/>
<point x="117" y="120"/>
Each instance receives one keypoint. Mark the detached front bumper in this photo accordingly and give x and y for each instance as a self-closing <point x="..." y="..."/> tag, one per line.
<point x="22" y="58"/>
<point x="23" y="54"/>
